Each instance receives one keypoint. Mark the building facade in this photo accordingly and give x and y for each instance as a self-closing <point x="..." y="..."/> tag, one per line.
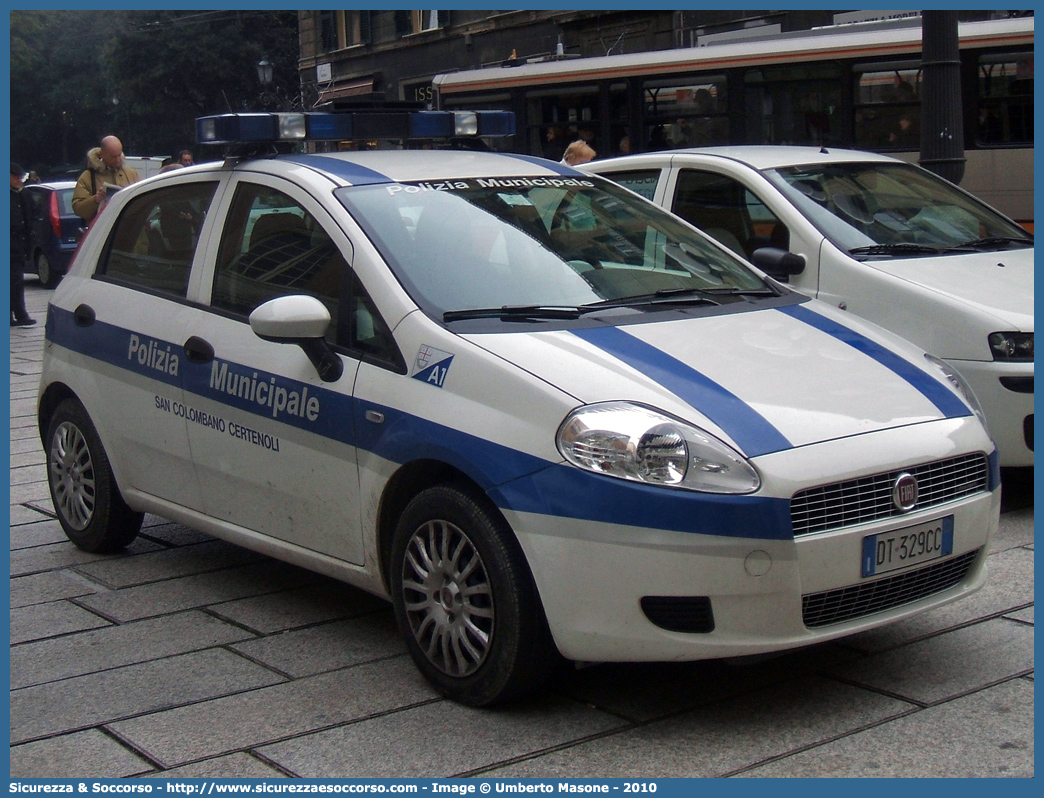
<point x="391" y="56"/>
<point x="635" y="81"/>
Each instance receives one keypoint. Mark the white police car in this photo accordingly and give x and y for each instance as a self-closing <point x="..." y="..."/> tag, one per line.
<point x="537" y="412"/>
<point x="877" y="237"/>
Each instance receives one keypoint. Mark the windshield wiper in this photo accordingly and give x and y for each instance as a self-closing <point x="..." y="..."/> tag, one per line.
<point x="895" y="249"/>
<point x="741" y="291"/>
<point x="991" y="242"/>
<point x="513" y="313"/>
<point x="665" y="296"/>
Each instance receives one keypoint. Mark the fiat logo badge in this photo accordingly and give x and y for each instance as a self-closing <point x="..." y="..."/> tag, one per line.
<point x="904" y="492"/>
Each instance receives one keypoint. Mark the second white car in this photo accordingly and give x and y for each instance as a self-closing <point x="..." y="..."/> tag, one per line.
<point x="876" y="237"/>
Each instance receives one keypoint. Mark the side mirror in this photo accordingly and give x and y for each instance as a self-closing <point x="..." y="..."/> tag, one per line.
<point x="778" y="263"/>
<point x="300" y="320"/>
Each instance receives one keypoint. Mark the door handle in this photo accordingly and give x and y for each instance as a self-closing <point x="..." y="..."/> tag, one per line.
<point x="198" y="351"/>
<point x="83" y="316"/>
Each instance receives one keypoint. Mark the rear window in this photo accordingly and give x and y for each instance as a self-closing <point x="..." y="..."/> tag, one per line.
<point x="65" y="202"/>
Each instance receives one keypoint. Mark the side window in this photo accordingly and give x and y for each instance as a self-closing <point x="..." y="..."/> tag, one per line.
<point x="155" y="238"/>
<point x="725" y="210"/>
<point x="271" y="247"/>
<point x="366" y="331"/>
<point x="641" y="181"/>
<point x="769" y="231"/>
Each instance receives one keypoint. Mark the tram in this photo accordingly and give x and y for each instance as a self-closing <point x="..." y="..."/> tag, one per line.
<point x="854" y="85"/>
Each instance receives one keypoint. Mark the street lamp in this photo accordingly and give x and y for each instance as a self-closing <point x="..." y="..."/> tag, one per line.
<point x="264" y="77"/>
<point x="264" y="73"/>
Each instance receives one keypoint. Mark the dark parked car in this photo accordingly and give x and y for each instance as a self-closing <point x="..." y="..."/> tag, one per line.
<point x="53" y="229"/>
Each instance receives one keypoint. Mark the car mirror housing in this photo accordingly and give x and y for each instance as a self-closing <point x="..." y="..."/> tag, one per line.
<point x="301" y="320"/>
<point x="290" y="318"/>
<point x="778" y="263"/>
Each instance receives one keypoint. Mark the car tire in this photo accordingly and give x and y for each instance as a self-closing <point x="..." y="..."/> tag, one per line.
<point x="44" y="271"/>
<point x="86" y="499"/>
<point x="465" y="600"/>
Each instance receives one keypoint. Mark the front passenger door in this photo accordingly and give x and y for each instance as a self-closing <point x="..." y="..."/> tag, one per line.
<point x="274" y="444"/>
<point x="743" y="214"/>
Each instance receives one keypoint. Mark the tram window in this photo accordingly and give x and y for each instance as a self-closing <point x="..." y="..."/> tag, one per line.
<point x="798" y="104"/>
<point x="560" y="116"/>
<point x="1005" y="99"/>
<point x="688" y="114"/>
<point x="888" y="106"/>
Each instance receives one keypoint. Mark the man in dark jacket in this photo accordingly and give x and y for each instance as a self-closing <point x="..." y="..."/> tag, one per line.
<point x="19" y="248"/>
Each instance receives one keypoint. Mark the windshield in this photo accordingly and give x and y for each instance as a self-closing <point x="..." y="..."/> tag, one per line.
<point x="538" y="243"/>
<point x="891" y="209"/>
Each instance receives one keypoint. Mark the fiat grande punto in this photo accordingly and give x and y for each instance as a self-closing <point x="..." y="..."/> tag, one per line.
<point x="542" y="416"/>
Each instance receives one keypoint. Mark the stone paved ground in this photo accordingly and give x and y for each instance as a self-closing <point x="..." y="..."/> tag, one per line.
<point x="186" y="656"/>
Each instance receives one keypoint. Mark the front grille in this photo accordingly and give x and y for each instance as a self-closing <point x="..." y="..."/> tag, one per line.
<point x="690" y="614"/>
<point x="857" y="601"/>
<point x="870" y="498"/>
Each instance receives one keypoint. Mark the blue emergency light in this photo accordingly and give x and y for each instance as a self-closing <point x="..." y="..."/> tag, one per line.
<point x="325" y="126"/>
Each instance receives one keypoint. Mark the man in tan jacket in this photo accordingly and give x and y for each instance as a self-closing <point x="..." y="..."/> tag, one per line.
<point x="104" y="165"/>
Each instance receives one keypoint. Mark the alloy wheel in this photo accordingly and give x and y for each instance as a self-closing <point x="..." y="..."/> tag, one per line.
<point x="72" y="475"/>
<point x="448" y="598"/>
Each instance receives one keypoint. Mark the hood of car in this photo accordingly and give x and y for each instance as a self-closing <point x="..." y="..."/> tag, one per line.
<point x="764" y="380"/>
<point x="998" y="283"/>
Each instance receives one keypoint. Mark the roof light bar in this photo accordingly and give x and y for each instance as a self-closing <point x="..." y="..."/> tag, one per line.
<point x="321" y="126"/>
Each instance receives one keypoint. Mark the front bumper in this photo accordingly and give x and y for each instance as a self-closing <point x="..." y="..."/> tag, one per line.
<point x="593" y="576"/>
<point x="1005" y="391"/>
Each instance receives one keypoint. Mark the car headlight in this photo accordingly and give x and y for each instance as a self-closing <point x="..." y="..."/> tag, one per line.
<point x="958" y="382"/>
<point x="633" y="442"/>
<point x="1013" y="346"/>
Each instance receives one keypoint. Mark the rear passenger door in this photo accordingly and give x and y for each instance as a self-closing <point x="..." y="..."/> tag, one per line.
<point x="131" y="317"/>
<point x="648" y="182"/>
<point x="280" y="459"/>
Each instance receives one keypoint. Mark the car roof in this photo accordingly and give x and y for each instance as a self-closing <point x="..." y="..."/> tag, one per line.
<point x="55" y="185"/>
<point x="764" y="156"/>
<point x="390" y="166"/>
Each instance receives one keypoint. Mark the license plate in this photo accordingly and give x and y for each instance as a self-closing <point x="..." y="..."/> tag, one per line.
<point x="913" y="545"/>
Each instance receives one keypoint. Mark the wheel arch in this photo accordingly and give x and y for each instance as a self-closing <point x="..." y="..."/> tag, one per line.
<point x="409" y="480"/>
<point x="53" y="395"/>
<point x="434" y="501"/>
<point x="82" y="483"/>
